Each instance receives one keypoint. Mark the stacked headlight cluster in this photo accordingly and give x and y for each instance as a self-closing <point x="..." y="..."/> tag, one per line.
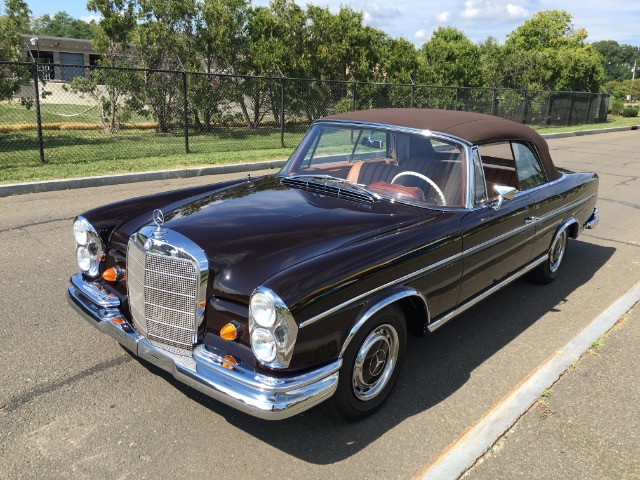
<point x="273" y="330"/>
<point x="89" y="249"/>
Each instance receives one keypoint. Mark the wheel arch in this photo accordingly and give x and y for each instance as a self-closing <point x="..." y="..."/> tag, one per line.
<point x="572" y="227"/>
<point x="413" y="304"/>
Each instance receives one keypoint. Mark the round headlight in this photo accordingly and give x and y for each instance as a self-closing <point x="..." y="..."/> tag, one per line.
<point x="80" y="233"/>
<point x="83" y="255"/>
<point x="263" y="344"/>
<point x="263" y="310"/>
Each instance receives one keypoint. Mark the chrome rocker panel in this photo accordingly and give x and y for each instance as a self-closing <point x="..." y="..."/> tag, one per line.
<point x="263" y="396"/>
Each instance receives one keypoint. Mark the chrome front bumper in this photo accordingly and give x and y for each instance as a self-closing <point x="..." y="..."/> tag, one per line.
<point x="263" y="396"/>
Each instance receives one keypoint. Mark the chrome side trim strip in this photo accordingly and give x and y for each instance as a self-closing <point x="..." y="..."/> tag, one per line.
<point x="470" y="303"/>
<point x="409" y="276"/>
<point x="441" y="263"/>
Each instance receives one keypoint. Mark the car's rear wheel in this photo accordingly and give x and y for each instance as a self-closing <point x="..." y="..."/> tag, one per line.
<point x="548" y="270"/>
<point x="371" y="365"/>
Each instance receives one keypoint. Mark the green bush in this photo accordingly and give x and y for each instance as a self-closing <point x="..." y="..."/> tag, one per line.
<point x="630" y="112"/>
<point x="617" y="106"/>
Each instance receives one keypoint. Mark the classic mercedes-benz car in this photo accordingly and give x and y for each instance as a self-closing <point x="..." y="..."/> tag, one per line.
<point x="276" y="293"/>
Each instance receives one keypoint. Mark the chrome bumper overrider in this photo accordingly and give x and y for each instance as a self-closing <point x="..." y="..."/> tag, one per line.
<point x="593" y="220"/>
<point x="263" y="396"/>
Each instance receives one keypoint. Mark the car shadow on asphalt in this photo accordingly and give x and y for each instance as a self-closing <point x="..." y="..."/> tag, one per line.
<point x="319" y="437"/>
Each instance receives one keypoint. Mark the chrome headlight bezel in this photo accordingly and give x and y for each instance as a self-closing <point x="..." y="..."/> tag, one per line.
<point x="281" y="326"/>
<point x="89" y="247"/>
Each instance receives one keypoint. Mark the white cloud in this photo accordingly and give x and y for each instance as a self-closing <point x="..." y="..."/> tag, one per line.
<point x="423" y="34"/>
<point x="443" y="17"/>
<point x="89" y="18"/>
<point x="517" y="11"/>
<point x="379" y="16"/>
<point x="493" y="9"/>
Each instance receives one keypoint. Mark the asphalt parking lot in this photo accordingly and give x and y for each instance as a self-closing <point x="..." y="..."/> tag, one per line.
<point x="73" y="404"/>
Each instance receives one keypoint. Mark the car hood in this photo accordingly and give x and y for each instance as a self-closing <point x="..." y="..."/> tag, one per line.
<point x="259" y="228"/>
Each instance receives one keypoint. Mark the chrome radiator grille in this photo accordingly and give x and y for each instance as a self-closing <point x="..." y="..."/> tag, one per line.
<point x="164" y="293"/>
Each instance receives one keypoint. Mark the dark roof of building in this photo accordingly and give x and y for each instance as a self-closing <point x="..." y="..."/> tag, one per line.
<point x="476" y="128"/>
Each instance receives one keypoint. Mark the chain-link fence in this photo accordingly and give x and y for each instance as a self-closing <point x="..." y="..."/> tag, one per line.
<point x="96" y="113"/>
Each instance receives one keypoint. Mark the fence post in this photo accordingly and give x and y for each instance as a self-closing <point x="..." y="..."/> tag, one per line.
<point x="36" y="88"/>
<point x="494" y="101"/>
<point x="455" y="105"/>
<point x="548" y="121"/>
<point x="282" y="112"/>
<point x="353" y="94"/>
<point x="589" y="108"/>
<point x="185" y="111"/>
<point x="571" y="102"/>
<point x="524" y="106"/>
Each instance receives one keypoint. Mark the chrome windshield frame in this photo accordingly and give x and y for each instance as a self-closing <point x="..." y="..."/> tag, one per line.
<point x="464" y="145"/>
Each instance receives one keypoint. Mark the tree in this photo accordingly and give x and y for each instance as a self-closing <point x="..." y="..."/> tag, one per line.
<point x="617" y="60"/>
<point x="63" y="25"/>
<point x="110" y="87"/>
<point x="451" y="58"/>
<point x="219" y="33"/>
<point x="547" y="52"/>
<point x="547" y="29"/>
<point x="164" y="41"/>
<point x="14" y="22"/>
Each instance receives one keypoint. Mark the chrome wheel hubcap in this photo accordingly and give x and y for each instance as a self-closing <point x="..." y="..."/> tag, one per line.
<point x="556" y="252"/>
<point x="375" y="362"/>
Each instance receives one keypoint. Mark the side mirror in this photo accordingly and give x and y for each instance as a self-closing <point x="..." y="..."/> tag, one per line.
<point x="504" y="193"/>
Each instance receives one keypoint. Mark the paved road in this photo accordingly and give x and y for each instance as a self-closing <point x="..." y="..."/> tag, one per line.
<point x="74" y="404"/>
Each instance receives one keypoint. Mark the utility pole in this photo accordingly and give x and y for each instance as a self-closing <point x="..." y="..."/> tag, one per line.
<point x="633" y="80"/>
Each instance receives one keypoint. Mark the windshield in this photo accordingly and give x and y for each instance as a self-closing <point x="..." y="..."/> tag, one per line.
<point x="413" y="168"/>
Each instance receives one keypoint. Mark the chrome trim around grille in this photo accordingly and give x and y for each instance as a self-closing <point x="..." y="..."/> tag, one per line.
<point x="166" y="282"/>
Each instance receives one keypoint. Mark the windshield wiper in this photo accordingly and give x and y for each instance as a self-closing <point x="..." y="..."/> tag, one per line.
<point x="341" y="181"/>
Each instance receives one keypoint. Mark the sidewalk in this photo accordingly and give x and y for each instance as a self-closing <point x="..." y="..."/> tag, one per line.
<point x="587" y="426"/>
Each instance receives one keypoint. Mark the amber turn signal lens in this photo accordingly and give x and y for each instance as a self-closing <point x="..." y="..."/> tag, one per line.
<point x="229" y="362"/>
<point x="230" y="331"/>
<point x="118" y="321"/>
<point x="114" y="274"/>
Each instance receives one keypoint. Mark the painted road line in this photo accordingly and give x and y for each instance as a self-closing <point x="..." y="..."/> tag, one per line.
<point x="463" y="452"/>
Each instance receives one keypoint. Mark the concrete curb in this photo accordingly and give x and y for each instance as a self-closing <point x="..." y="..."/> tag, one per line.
<point x="463" y="452"/>
<point x="85" y="182"/>
<point x="579" y="133"/>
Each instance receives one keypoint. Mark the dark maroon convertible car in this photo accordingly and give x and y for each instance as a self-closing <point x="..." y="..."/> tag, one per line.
<point x="276" y="293"/>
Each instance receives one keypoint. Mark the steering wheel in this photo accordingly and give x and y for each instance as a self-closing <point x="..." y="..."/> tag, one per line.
<point x="426" y="179"/>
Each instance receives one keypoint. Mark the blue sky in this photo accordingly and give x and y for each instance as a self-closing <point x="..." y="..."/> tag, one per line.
<point x="415" y="20"/>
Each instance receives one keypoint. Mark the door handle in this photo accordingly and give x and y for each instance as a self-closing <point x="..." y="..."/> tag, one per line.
<point x="531" y="219"/>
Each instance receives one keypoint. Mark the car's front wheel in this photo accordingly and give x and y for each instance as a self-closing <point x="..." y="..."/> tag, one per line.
<point x="548" y="270"/>
<point x="371" y="365"/>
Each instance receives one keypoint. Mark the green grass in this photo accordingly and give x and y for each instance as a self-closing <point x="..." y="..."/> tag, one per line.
<point x="80" y="153"/>
<point x="612" y="121"/>
<point x="16" y="114"/>
<point x="71" y="153"/>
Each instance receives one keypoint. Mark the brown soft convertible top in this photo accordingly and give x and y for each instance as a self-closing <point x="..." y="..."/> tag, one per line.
<point x="476" y="128"/>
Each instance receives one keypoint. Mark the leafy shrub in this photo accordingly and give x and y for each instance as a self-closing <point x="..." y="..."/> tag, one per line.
<point x="617" y="105"/>
<point x="630" y="112"/>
